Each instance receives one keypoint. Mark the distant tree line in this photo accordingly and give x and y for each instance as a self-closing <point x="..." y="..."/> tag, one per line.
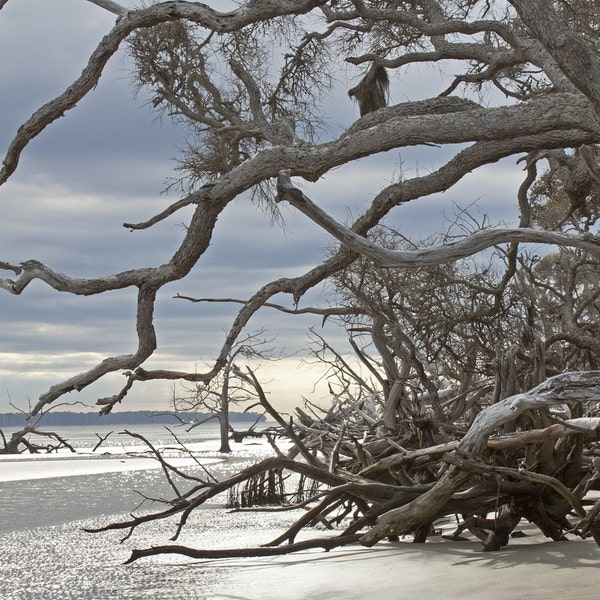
<point x="136" y="417"/>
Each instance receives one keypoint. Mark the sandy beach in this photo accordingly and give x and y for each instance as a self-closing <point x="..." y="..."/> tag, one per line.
<point x="46" y="554"/>
<point x="534" y="569"/>
<point x="530" y="568"/>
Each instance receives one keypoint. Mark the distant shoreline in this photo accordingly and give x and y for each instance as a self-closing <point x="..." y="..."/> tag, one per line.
<point x="135" y="417"/>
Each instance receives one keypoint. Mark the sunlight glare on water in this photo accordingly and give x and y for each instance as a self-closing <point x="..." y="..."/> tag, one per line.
<point x="46" y="554"/>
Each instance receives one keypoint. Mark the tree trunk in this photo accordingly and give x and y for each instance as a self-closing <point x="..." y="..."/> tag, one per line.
<point x="224" y="415"/>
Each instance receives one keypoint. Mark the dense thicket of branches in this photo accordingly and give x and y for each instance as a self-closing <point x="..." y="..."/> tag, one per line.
<point x="455" y="352"/>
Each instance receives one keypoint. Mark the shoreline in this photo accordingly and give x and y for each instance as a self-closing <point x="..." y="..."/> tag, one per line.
<point x="47" y="554"/>
<point x="530" y="568"/>
<point x="58" y="467"/>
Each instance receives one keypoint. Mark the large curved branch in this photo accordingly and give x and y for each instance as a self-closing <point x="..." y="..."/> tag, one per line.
<point x="146" y="346"/>
<point x="434" y="255"/>
<point x="464" y="162"/>
<point x="552" y="115"/>
<point x="148" y="281"/>
<point x="192" y="247"/>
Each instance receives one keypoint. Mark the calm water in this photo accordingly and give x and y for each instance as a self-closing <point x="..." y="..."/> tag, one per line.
<point x="47" y="556"/>
<point x="31" y="503"/>
<point x="53" y="501"/>
<point x="85" y="438"/>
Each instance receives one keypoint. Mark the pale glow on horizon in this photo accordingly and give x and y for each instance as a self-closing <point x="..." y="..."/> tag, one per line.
<point x="25" y="376"/>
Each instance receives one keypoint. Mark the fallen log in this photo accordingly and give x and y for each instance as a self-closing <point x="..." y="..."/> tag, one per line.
<point x="567" y="387"/>
<point x="589" y="427"/>
<point x="324" y="543"/>
<point x="491" y="478"/>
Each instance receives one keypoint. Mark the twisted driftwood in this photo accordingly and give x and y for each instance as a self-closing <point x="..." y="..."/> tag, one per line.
<point x="377" y="488"/>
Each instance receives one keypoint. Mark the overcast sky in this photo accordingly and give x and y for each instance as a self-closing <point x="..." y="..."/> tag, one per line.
<point x="106" y="162"/>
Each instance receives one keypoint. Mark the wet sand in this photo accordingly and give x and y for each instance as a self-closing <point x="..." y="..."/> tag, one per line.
<point x="66" y="563"/>
<point x="22" y="469"/>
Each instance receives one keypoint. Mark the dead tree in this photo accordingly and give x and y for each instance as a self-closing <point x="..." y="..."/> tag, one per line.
<point x="29" y="439"/>
<point x="254" y="120"/>
<point x="374" y="490"/>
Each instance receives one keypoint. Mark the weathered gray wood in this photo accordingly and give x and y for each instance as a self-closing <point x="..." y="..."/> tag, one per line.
<point x="567" y="387"/>
<point x="434" y="255"/>
<point x="574" y="57"/>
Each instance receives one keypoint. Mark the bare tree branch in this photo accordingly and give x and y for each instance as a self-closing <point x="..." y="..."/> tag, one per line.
<point x="435" y="255"/>
<point x="568" y="387"/>
<point x="146" y="17"/>
<point x="110" y="6"/>
<point x="578" y="62"/>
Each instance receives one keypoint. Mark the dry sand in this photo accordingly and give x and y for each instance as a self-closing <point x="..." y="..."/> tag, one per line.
<point x="530" y="568"/>
<point x="69" y="565"/>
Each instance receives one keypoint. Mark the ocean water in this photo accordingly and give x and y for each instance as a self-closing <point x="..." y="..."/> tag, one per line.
<point x="43" y="499"/>
<point x="47" y="555"/>
<point x="85" y="438"/>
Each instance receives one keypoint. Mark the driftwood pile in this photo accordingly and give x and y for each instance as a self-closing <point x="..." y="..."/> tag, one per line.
<point x="513" y="460"/>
